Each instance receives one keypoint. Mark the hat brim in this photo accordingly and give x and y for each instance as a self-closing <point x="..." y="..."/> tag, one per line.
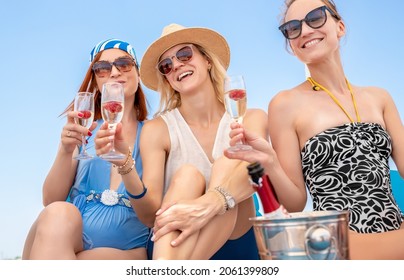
<point x="204" y="37"/>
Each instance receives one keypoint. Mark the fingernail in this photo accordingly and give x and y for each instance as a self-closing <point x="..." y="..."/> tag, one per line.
<point x="152" y="238"/>
<point x="173" y="243"/>
<point x="89" y="133"/>
<point x="158" y="212"/>
<point x="80" y="115"/>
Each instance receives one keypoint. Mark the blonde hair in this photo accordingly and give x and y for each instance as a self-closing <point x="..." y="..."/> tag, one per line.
<point x="171" y="99"/>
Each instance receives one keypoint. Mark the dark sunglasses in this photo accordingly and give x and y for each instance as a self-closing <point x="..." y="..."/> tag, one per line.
<point x="182" y="55"/>
<point x="103" y="68"/>
<point x="315" y="19"/>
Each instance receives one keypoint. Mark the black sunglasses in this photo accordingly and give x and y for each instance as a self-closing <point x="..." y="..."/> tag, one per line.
<point x="103" y="68"/>
<point x="184" y="54"/>
<point x="315" y="19"/>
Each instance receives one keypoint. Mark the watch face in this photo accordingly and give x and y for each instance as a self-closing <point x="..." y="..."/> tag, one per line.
<point x="230" y="202"/>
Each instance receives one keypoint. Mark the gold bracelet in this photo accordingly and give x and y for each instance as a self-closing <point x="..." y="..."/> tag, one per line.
<point x="221" y="196"/>
<point x="126" y="161"/>
<point x="124" y="172"/>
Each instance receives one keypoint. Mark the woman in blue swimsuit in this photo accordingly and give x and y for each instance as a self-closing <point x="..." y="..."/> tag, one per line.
<point x="333" y="138"/>
<point x="88" y="214"/>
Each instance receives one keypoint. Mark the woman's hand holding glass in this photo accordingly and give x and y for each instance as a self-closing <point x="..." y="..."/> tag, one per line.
<point x="72" y="133"/>
<point x="112" y="105"/>
<point x="235" y="100"/>
<point x="103" y="138"/>
<point x="84" y="106"/>
<point x="261" y="150"/>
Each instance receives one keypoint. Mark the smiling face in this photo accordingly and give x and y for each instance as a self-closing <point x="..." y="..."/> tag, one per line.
<point x="188" y="75"/>
<point x="313" y="45"/>
<point x="129" y="80"/>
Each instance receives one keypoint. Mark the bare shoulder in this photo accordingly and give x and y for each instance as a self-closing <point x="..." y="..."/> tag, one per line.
<point x="256" y="120"/>
<point x="288" y="97"/>
<point x="155" y="131"/>
<point x="256" y="113"/>
<point x="255" y="117"/>
<point x="377" y="94"/>
<point x="154" y="123"/>
<point x="291" y="101"/>
<point x="371" y="91"/>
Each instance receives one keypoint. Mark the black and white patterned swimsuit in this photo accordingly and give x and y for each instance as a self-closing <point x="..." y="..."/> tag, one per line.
<point x="347" y="168"/>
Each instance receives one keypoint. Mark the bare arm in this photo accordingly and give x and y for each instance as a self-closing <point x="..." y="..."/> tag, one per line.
<point x="395" y="128"/>
<point x="280" y="161"/>
<point x="235" y="174"/>
<point x="153" y="140"/>
<point x="61" y="175"/>
<point x="285" y="170"/>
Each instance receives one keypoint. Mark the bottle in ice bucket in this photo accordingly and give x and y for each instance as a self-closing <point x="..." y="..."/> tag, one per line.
<point x="261" y="183"/>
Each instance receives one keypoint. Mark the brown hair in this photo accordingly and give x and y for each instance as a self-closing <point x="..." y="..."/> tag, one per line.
<point x="89" y="84"/>
<point x="329" y="3"/>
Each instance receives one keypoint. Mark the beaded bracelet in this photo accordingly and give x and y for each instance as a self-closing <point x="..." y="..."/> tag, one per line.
<point x="128" y="157"/>
<point x="124" y="172"/>
<point x="139" y="195"/>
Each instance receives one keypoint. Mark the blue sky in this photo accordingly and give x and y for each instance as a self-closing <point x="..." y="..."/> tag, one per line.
<point x="45" y="48"/>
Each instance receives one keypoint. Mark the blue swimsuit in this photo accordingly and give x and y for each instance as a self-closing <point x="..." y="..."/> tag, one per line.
<point x="108" y="217"/>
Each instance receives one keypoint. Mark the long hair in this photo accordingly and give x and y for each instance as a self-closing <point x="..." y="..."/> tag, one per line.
<point x="171" y="99"/>
<point x="89" y="84"/>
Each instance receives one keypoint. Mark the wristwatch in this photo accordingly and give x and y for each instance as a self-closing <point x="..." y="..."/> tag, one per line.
<point x="230" y="201"/>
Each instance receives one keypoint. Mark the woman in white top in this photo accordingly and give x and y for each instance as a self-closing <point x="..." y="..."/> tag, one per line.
<point x="197" y="200"/>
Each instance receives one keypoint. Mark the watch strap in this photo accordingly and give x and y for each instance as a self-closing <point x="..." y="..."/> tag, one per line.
<point x="227" y="196"/>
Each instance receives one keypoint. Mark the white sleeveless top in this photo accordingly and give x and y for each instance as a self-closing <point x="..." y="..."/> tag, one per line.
<point x="185" y="149"/>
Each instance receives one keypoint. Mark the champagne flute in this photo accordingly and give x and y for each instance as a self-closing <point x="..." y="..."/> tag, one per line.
<point x="235" y="100"/>
<point x="112" y="101"/>
<point x="84" y="103"/>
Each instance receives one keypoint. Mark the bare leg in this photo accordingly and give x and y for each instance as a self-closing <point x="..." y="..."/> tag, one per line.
<point x="206" y="242"/>
<point x="28" y="242"/>
<point x="56" y="234"/>
<point x="113" y="254"/>
<point x="234" y="223"/>
<point x="187" y="183"/>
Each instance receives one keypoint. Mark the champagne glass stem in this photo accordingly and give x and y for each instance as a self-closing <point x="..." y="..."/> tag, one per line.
<point x="83" y="145"/>
<point x="112" y="141"/>
<point x="239" y="121"/>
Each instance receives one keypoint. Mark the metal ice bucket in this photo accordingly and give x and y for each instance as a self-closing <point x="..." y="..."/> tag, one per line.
<point x="317" y="235"/>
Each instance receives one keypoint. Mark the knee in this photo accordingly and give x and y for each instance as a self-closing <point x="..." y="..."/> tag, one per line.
<point x="188" y="181"/>
<point x="59" y="216"/>
<point x="188" y="174"/>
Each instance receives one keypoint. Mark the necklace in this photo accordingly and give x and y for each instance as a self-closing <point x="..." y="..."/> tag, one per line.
<point x="317" y="87"/>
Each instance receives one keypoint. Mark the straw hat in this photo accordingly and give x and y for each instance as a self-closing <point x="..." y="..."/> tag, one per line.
<point x="174" y="34"/>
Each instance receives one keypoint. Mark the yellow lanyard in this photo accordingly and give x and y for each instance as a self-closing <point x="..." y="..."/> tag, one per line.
<point x="317" y="86"/>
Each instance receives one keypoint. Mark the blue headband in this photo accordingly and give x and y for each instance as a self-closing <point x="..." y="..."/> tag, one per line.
<point x="113" y="44"/>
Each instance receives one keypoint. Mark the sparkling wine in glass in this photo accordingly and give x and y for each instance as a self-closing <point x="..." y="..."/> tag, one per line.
<point x="84" y="103"/>
<point x="112" y="101"/>
<point x="235" y="100"/>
